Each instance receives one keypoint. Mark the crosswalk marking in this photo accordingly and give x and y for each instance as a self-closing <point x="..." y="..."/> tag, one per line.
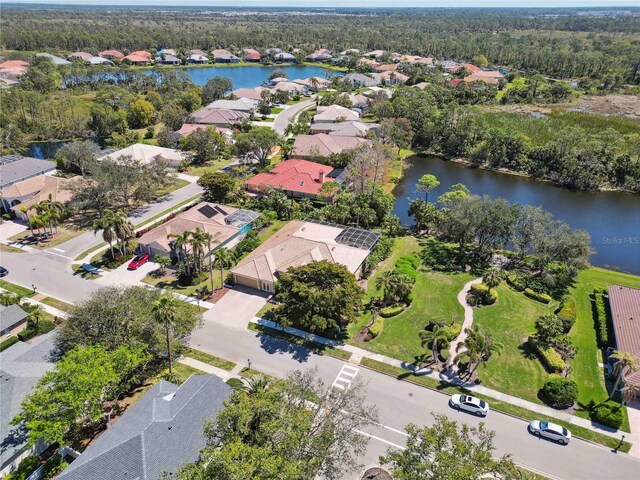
<point x="345" y="377"/>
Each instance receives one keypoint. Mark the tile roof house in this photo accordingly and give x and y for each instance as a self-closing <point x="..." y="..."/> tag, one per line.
<point x="358" y="100"/>
<point x="250" y="93"/>
<point x="196" y="51"/>
<point x="112" y="54"/>
<point x="80" y="56"/>
<point x="220" y="117"/>
<point x="297" y="178"/>
<point x="167" y="59"/>
<point x="147" y="154"/>
<point x="228" y="225"/>
<point x="299" y="243"/>
<point x="624" y="303"/>
<point x="13" y="320"/>
<point x="160" y="433"/>
<point x="167" y="51"/>
<point x="55" y="59"/>
<point x="100" y="61"/>
<point x="188" y="128"/>
<point x="224" y="56"/>
<point x="346" y="129"/>
<point x="389" y="67"/>
<point x="21" y="366"/>
<point x="197" y="58"/>
<point x="390" y="78"/>
<point x="240" y="105"/>
<point x="142" y="53"/>
<point x="319" y="55"/>
<point x="14" y="64"/>
<point x="335" y="114"/>
<point x="251" y="55"/>
<point x="491" y="77"/>
<point x="361" y="80"/>
<point x="314" y="84"/>
<point x="32" y="191"/>
<point x="284" y="57"/>
<point x="291" y="88"/>
<point x="137" y="59"/>
<point x="374" y="54"/>
<point x="14" y="169"/>
<point x="323" y="145"/>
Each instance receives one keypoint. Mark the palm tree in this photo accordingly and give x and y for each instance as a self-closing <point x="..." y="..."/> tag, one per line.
<point x="163" y="262"/>
<point x="223" y="258"/>
<point x="257" y="383"/>
<point x="165" y="312"/>
<point x="51" y="210"/>
<point x="630" y="393"/>
<point x="384" y="282"/>
<point x="181" y="240"/>
<point x="108" y="232"/>
<point x="492" y="277"/>
<point x="209" y="239"/>
<point x="433" y="339"/>
<point x="35" y="314"/>
<point x="626" y="363"/>
<point x="198" y="242"/>
<point x="479" y="347"/>
<point x="314" y="83"/>
<point x="123" y="229"/>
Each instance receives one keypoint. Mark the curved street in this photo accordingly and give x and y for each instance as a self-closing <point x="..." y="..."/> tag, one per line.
<point x="282" y="120"/>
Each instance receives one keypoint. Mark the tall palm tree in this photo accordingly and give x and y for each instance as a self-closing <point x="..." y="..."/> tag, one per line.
<point x="165" y="312"/>
<point x="492" y="277"/>
<point x="52" y="210"/>
<point x="630" y="393"/>
<point x="210" y="239"/>
<point x="223" y="259"/>
<point x="626" y="363"/>
<point x="35" y="314"/>
<point x="198" y="242"/>
<point x="314" y="83"/>
<point x="479" y="347"/>
<point x="181" y="240"/>
<point x="384" y="282"/>
<point x="123" y="229"/>
<point x="108" y="232"/>
<point x="434" y="339"/>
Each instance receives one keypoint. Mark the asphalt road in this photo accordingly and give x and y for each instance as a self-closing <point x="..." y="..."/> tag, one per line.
<point x="282" y="119"/>
<point x="398" y="403"/>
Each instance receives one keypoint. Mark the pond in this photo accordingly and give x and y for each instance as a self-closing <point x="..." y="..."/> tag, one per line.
<point x="251" y="76"/>
<point x="612" y="218"/>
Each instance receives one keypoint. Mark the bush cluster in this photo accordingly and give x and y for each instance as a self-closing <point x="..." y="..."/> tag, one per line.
<point x="551" y="359"/>
<point x="515" y="282"/>
<point x="408" y="265"/>
<point x="44" y="326"/>
<point x="247" y="245"/>
<point x="601" y="318"/>
<point x="376" y="328"/>
<point x="484" y="294"/>
<point x="7" y="343"/>
<point x="567" y="313"/>
<point x="391" y="311"/>
<point x="442" y="256"/>
<point x="539" y="297"/>
<point x="560" y="392"/>
<point x="26" y="467"/>
<point x="607" y="414"/>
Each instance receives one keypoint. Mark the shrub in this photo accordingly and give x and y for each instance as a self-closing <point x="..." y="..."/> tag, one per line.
<point x="412" y="260"/>
<point x="453" y="331"/>
<point x="607" y="414"/>
<point x="235" y="383"/>
<point x="601" y="316"/>
<point x="485" y="295"/>
<point x="53" y="466"/>
<point x="8" y="342"/>
<point x="444" y="355"/>
<point x="26" y="467"/>
<point x="539" y="297"/>
<point x="45" y="326"/>
<point x="407" y="270"/>
<point x="516" y="283"/>
<point x="391" y="311"/>
<point x="442" y="256"/>
<point x="27" y="334"/>
<point x="376" y="328"/>
<point x="560" y="392"/>
<point x="567" y="313"/>
<point x="551" y="360"/>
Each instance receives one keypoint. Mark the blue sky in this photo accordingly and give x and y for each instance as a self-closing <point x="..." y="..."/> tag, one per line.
<point x="350" y="3"/>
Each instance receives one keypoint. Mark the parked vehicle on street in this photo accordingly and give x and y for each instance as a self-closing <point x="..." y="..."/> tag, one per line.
<point x="3" y="272"/>
<point x="138" y="261"/>
<point x="549" y="430"/>
<point x="470" y="404"/>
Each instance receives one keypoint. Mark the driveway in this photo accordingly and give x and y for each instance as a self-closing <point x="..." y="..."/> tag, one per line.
<point x="237" y="307"/>
<point x="122" y="276"/>
<point x="282" y="120"/>
<point x="10" y="228"/>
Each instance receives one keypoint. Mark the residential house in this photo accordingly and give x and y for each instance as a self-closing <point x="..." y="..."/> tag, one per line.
<point x="143" y="53"/>
<point x="345" y="129"/>
<point x="197" y="59"/>
<point x="224" y="56"/>
<point x="80" y="56"/>
<point x="147" y="154"/>
<point x="251" y="55"/>
<point x="284" y="57"/>
<point x="387" y="67"/>
<point x="323" y="145"/>
<point x="196" y="51"/>
<point x="449" y="66"/>
<point x="335" y="114"/>
<point x="390" y="78"/>
<point x="100" y="61"/>
<point x="167" y="51"/>
<point x="299" y="243"/>
<point x="276" y="80"/>
<point x="359" y="80"/>
<point x="14" y="64"/>
<point x="20" y="179"/>
<point x="159" y="434"/>
<point x="13" y="320"/>
<point x="296" y="177"/>
<point x="227" y="225"/>
<point x="188" y="128"/>
<point x="315" y="84"/>
<point x="167" y="59"/>
<point x="291" y="88"/>
<point x="320" y="55"/>
<point x="136" y="59"/>
<point x="58" y="61"/>
<point x="30" y="192"/>
<point x="246" y="105"/>
<point x="11" y="71"/>
<point x="491" y="77"/>
<point x="219" y="117"/>
<point x="250" y="93"/>
<point x="624" y="303"/>
<point x="368" y="62"/>
<point x="21" y="366"/>
<point x="395" y="57"/>
<point x="374" y="54"/>
<point x="359" y="101"/>
<point x="112" y="54"/>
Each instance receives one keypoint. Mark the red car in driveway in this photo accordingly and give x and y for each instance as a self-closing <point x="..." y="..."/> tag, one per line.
<point x="138" y="261"/>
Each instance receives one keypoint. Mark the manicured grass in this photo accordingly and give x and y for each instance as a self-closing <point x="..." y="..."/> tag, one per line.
<point x="528" y="415"/>
<point x="209" y="359"/>
<point x="517" y="370"/>
<point x="248" y="373"/>
<point x="17" y="289"/>
<point x="267" y="119"/>
<point x="269" y="231"/>
<point x="586" y="372"/>
<point x="276" y="110"/>
<point x="176" y="184"/>
<point x="170" y="282"/>
<point x="63" y="234"/>
<point x="434" y="297"/>
<point x="265" y="308"/>
<point x="185" y="371"/>
<point x="59" y="304"/>
<point x="316" y="347"/>
<point x="9" y="248"/>
<point x="214" y="166"/>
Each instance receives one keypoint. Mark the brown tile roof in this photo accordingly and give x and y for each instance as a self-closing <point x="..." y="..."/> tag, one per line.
<point x="38" y="188"/>
<point x="111" y="54"/>
<point x="219" y="116"/>
<point x="251" y="93"/>
<point x="295" y="175"/>
<point x="332" y="113"/>
<point x="14" y="64"/>
<point x="625" y="313"/>
<point x="325" y="145"/>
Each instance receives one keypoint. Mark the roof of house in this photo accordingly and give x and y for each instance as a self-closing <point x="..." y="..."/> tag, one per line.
<point x="351" y="129"/>
<point x="240" y="104"/>
<point x="21" y="366"/>
<point x="250" y="50"/>
<point x="252" y="56"/>
<point x="14" y="64"/>
<point x="289" y="87"/>
<point x="198" y="57"/>
<point x="625" y="314"/>
<point x="135" y="58"/>
<point x="99" y="61"/>
<point x="295" y="175"/>
<point x="169" y="59"/>
<point x="14" y="169"/>
<point x="142" y="53"/>
<point x="146" y="154"/>
<point x="111" y="53"/>
<point x="307" y="82"/>
<point x="299" y="243"/>
<point x="195" y="51"/>
<point x="224" y="54"/>
<point x="284" y="56"/>
<point x="55" y="59"/>
<point x="391" y="75"/>
<point x="167" y="51"/>
<point x="487" y="76"/>
<point x="35" y="189"/>
<point x="219" y="116"/>
<point x="11" y="315"/>
<point x="389" y="67"/>
<point x="81" y="55"/>
<point x="160" y="433"/>
<point x="324" y="145"/>
<point x="358" y="99"/>
<point x="250" y="93"/>
<point x="188" y="128"/>
<point x="360" y="78"/>
<point x="335" y="112"/>
<point x="374" y="53"/>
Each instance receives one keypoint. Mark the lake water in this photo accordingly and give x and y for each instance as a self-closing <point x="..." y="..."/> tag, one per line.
<point x="612" y="218"/>
<point x="252" y="76"/>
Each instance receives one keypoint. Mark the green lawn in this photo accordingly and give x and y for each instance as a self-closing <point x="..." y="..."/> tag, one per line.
<point x="185" y="371"/>
<point x="170" y="282"/>
<point x="175" y="184"/>
<point x="276" y="110"/>
<point x="59" y="304"/>
<point x="515" y="371"/>
<point x="271" y="229"/>
<point x="17" y="289"/>
<point x="214" y="166"/>
<point x="209" y="359"/>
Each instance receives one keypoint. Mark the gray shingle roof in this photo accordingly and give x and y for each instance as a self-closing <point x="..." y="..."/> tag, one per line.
<point x="160" y="433"/>
<point x="14" y="169"/>
<point x="11" y="316"/>
<point x="21" y="366"/>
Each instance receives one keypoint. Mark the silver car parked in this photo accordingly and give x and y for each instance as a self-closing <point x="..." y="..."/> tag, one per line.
<point x="470" y="404"/>
<point x="549" y="430"/>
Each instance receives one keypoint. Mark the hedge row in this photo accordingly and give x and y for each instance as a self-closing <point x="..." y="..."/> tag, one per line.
<point x="45" y="326"/>
<point x="567" y="313"/>
<point x="486" y="295"/>
<point x="606" y="414"/>
<point x="551" y="359"/>
<point x="539" y="297"/>
<point x="8" y="342"/>
<point x="376" y="328"/>
<point x="391" y="311"/>
<point x="516" y="283"/>
<point x="408" y="265"/>
<point x="601" y="316"/>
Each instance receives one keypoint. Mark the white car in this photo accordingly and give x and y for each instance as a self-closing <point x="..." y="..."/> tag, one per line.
<point x="549" y="430"/>
<point x="470" y="404"/>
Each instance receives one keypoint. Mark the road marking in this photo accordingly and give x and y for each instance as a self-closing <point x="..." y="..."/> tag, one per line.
<point x="345" y="377"/>
<point x="365" y="434"/>
<point x="57" y="254"/>
<point x="58" y="250"/>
